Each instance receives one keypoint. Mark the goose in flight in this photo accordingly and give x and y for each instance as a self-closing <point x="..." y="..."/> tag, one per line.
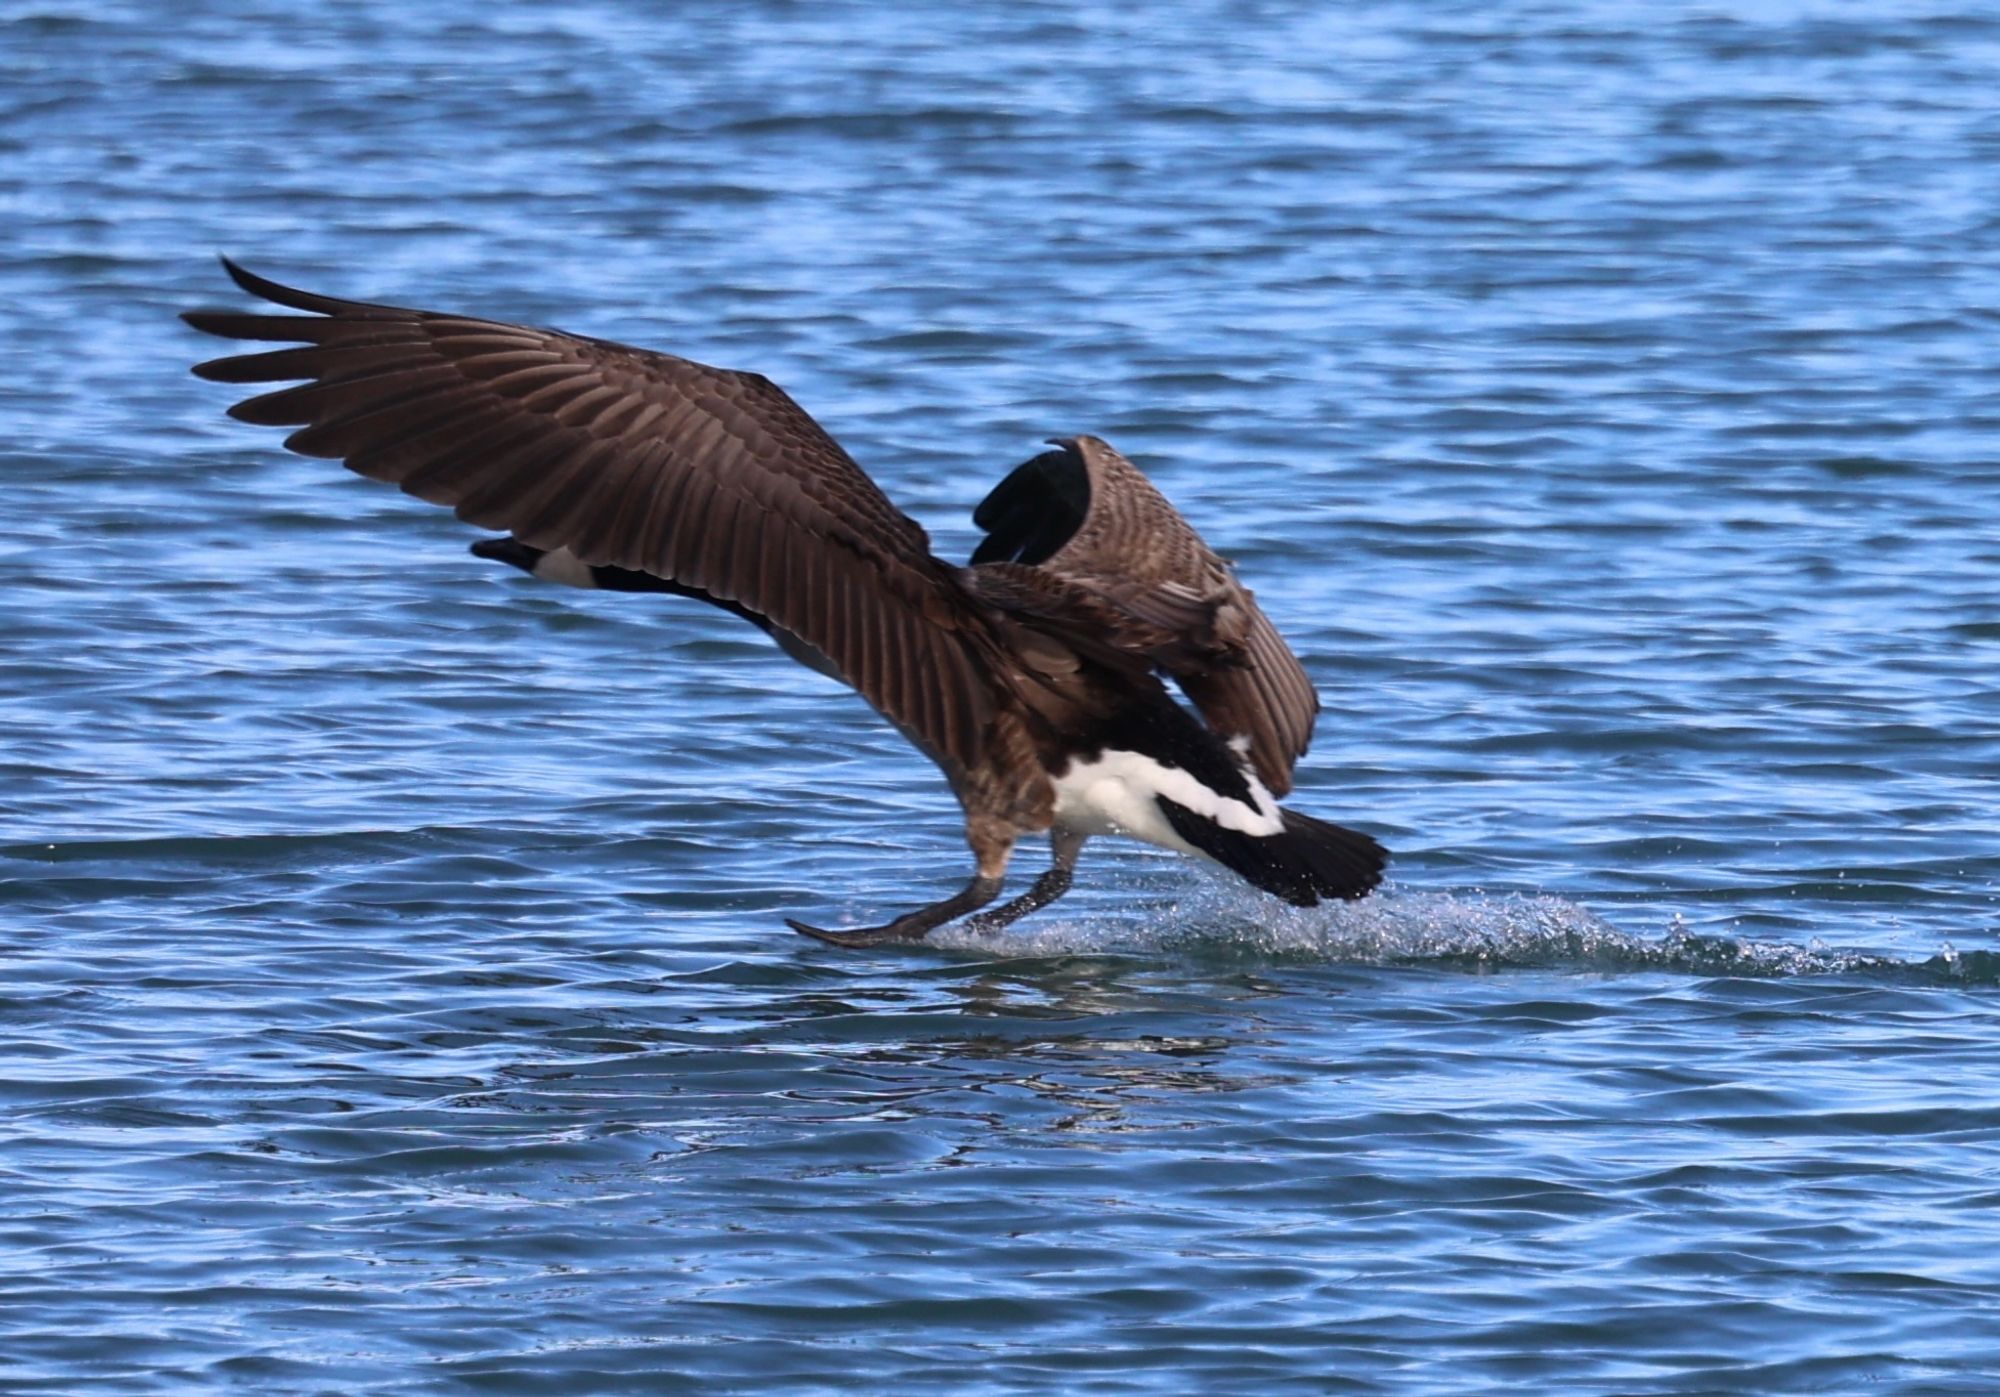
<point x="1031" y="677"/>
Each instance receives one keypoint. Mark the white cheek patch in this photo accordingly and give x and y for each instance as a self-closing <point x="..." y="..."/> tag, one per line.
<point x="1114" y="794"/>
<point x="561" y="565"/>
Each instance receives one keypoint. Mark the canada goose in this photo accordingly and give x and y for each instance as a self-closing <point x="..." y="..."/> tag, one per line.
<point x="1031" y="677"/>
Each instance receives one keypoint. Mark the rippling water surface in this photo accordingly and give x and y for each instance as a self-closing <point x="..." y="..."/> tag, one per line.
<point x="394" y="991"/>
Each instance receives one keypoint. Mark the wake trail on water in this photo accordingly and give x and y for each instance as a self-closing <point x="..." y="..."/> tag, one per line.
<point x="1454" y="931"/>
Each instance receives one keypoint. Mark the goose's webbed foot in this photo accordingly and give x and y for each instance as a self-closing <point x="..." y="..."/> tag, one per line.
<point x="1051" y="885"/>
<point x="1064" y="846"/>
<point x="911" y="926"/>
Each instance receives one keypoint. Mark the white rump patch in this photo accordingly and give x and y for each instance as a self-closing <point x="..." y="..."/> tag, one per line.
<point x="561" y="565"/>
<point x="1114" y="795"/>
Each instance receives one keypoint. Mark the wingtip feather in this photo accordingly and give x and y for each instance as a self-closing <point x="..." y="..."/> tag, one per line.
<point x="213" y="370"/>
<point x="277" y="292"/>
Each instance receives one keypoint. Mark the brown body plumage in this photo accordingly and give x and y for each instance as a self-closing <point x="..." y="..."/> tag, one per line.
<point x="1007" y="673"/>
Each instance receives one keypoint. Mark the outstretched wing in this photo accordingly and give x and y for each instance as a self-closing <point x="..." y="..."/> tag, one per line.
<point x="1086" y="514"/>
<point x="706" y="477"/>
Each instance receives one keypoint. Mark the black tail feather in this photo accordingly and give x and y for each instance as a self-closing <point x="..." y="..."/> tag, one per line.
<point x="1310" y="860"/>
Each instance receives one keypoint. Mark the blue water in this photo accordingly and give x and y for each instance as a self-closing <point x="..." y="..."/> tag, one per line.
<point x="394" y="992"/>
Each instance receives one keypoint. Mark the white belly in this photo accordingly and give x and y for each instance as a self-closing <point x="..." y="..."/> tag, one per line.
<point x="1114" y="795"/>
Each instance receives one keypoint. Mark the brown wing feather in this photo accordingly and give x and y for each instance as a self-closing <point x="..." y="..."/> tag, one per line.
<point x="708" y="477"/>
<point x="1089" y="516"/>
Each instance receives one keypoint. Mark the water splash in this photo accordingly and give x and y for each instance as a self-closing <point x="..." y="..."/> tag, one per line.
<point x="1456" y="931"/>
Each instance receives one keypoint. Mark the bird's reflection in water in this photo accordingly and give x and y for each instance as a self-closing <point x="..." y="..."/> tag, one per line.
<point x="1076" y="1044"/>
<point x="1091" y="1038"/>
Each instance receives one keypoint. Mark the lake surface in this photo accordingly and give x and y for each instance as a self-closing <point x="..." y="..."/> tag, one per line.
<point x="394" y="989"/>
